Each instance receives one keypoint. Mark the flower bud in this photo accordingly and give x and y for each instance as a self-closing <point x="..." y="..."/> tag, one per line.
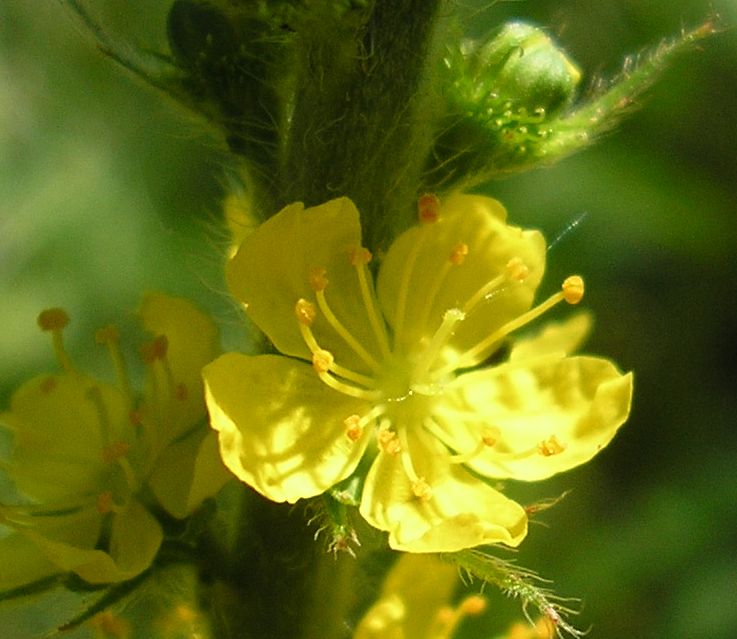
<point x="523" y="66"/>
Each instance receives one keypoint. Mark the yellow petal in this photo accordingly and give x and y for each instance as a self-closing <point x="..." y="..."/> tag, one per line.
<point x="192" y="342"/>
<point x="60" y="424"/>
<point x="272" y="270"/>
<point x="415" y="590"/>
<point x="21" y="561"/>
<point x="188" y="472"/>
<point x="550" y="415"/>
<point x="462" y="512"/>
<point x="281" y="430"/>
<point x="134" y="541"/>
<point x="556" y="338"/>
<point x="415" y="274"/>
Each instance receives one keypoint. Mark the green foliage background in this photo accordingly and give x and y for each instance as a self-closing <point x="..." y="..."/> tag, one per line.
<point x="106" y="191"/>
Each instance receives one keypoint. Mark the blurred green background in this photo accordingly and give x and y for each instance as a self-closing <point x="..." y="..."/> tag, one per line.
<point x="106" y="191"/>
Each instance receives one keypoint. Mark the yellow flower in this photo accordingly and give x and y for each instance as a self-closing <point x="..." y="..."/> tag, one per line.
<point x="397" y="372"/>
<point x="414" y="602"/>
<point x="83" y="450"/>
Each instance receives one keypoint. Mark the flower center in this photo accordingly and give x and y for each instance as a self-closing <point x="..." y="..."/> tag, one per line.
<point x="406" y="380"/>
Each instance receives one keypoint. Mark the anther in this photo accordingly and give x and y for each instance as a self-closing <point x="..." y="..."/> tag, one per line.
<point x="573" y="289"/>
<point x="155" y="349"/>
<point x="53" y="319"/>
<point x="322" y="361"/>
<point x="115" y="451"/>
<point x="360" y="255"/>
<point x="305" y="312"/>
<point x="428" y="208"/>
<point x="318" y="279"/>
<point x="107" y="335"/>
<point x="353" y="428"/>
<point x="550" y="447"/>
<point x="458" y="254"/>
<point x="489" y="437"/>
<point x="517" y="270"/>
<point x="47" y="385"/>
<point x="104" y="502"/>
<point x="181" y="392"/>
<point x="421" y="489"/>
<point x="388" y="441"/>
<point x="473" y="605"/>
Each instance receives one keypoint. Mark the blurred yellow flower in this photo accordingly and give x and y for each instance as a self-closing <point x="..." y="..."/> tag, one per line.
<point x="397" y="371"/>
<point x="82" y="450"/>
<point x="415" y="602"/>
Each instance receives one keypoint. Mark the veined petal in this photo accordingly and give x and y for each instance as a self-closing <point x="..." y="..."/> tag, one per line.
<point x="281" y="430"/>
<point x="60" y="425"/>
<point x="550" y="415"/>
<point x="556" y="338"/>
<point x="272" y="270"/>
<point x="408" y="279"/>
<point x="461" y="512"/>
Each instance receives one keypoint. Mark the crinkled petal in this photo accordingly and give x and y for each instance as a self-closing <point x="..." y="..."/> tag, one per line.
<point x="462" y="511"/>
<point x="556" y="338"/>
<point x="272" y="270"/>
<point x="188" y="472"/>
<point x="281" y="430"/>
<point x="415" y="274"/>
<point x="135" y="538"/>
<point x="60" y="426"/>
<point x="192" y="342"/>
<point x="547" y="416"/>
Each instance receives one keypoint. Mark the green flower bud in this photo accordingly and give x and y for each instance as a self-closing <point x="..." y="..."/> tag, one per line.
<point x="523" y="66"/>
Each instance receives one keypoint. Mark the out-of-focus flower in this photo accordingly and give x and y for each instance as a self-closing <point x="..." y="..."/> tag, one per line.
<point x="415" y="602"/>
<point x="87" y="456"/>
<point x="398" y="373"/>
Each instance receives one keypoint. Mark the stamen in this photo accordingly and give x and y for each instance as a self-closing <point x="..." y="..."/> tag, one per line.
<point x="457" y="458"/>
<point x="387" y="440"/>
<point x="421" y="489"/>
<point x="550" y="446"/>
<point x="428" y="208"/>
<point x="456" y="257"/>
<point x="94" y="395"/>
<point x="571" y="291"/>
<point x="447" y="619"/>
<point x="53" y="320"/>
<point x="356" y="425"/>
<point x="323" y="363"/>
<point x="305" y="311"/>
<point x="515" y="271"/>
<point x="110" y="336"/>
<point x="360" y="257"/>
<point x="451" y="317"/>
<point x="115" y="451"/>
<point x="154" y="351"/>
<point x="344" y="333"/>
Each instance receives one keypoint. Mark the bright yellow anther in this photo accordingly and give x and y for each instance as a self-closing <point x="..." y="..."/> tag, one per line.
<point x="155" y="349"/>
<point x="53" y="319"/>
<point x="353" y="428"/>
<point x="360" y="255"/>
<point x="322" y="361"/>
<point x="573" y="289"/>
<point x="428" y="208"/>
<point x="388" y="441"/>
<point x="305" y="312"/>
<point x="421" y="489"/>
<point x="489" y="437"/>
<point x="107" y="335"/>
<point x="318" y="279"/>
<point x="458" y="254"/>
<point x="473" y="605"/>
<point x="517" y="270"/>
<point x="550" y="447"/>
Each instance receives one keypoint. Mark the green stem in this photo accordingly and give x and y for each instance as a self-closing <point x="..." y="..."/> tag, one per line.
<point x="361" y="124"/>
